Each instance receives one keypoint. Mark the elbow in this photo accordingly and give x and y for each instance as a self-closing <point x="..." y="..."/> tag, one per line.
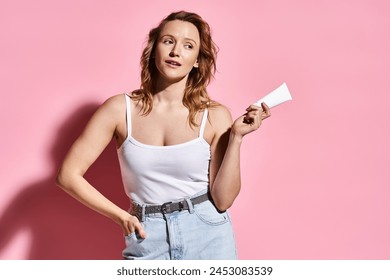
<point x="222" y="206"/>
<point x="223" y="203"/>
<point x="59" y="180"/>
<point x="62" y="179"/>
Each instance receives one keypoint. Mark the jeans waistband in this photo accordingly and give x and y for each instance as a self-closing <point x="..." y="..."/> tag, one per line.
<point x="140" y="211"/>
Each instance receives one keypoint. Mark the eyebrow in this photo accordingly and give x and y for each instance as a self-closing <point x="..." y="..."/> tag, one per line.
<point x="185" y="38"/>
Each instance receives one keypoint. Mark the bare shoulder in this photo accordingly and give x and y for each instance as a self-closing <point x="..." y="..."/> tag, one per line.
<point x="117" y="100"/>
<point x="220" y="117"/>
<point x="109" y="115"/>
<point x="114" y="106"/>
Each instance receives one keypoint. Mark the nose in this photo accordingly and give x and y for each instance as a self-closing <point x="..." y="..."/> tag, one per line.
<point x="174" y="52"/>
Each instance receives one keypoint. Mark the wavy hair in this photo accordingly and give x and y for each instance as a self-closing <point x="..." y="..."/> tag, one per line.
<point x="195" y="96"/>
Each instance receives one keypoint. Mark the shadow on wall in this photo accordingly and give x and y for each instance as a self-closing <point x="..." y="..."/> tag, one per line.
<point x="61" y="227"/>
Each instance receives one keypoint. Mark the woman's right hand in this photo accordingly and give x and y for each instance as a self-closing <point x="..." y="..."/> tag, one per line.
<point x="131" y="224"/>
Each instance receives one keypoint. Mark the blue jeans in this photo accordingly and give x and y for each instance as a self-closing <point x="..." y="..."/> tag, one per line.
<point x="198" y="233"/>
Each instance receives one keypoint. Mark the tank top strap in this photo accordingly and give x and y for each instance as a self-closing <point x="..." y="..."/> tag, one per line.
<point x="203" y="123"/>
<point x="128" y="114"/>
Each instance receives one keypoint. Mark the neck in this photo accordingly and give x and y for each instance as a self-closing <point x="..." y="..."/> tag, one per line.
<point x="170" y="92"/>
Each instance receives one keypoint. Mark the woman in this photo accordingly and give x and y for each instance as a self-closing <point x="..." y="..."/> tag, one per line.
<point x="179" y="151"/>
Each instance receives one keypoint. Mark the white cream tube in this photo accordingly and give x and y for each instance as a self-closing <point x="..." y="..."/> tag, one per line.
<point x="275" y="97"/>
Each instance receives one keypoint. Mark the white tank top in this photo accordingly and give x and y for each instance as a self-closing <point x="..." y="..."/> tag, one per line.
<point x="158" y="174"/>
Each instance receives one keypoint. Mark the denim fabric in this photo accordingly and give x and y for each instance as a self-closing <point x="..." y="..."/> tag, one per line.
<point x="198" y="233"/>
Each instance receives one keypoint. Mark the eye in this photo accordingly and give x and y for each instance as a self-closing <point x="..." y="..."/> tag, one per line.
<point x="188" y="46"/>
<point x="168" y="41"/>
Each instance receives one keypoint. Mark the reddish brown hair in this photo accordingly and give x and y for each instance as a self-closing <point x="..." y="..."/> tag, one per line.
<point x="195" y="97"/>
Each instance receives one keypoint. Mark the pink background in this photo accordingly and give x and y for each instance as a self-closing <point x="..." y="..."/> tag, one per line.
<point x="315" y="177"/>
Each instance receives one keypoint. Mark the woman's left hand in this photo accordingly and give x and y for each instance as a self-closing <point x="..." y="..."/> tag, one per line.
<point x="251" y="120"/>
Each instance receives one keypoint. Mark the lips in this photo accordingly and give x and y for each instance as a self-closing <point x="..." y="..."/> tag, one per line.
<point x="172" y="62"/>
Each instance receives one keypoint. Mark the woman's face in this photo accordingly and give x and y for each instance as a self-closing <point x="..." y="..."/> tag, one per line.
<point x="177" y="50"/>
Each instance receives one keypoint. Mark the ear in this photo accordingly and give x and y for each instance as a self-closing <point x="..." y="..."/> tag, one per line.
<point x="196" y="64"/>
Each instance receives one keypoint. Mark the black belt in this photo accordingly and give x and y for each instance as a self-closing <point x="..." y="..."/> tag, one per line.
<point x="167" y="207"/>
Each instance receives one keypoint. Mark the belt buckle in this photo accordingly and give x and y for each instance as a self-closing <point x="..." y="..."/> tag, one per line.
<point x="136" y="211"/>
<point x="166" y="207"/>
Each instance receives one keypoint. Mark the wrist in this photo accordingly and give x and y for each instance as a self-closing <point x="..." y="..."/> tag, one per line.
<point x="120" y="216"/>
<point x="235" y="138"/>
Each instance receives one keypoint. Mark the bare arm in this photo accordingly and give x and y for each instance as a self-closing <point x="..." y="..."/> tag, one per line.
<point x="85" y="150"/>
<point x="225" y="175"/>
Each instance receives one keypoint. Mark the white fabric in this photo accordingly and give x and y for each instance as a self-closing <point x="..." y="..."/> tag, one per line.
<point x="159" y="174"/>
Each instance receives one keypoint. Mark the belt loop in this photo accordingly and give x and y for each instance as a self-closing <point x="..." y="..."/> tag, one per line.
<point x="143" y="213"/>
<point x="190" y="205"/>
